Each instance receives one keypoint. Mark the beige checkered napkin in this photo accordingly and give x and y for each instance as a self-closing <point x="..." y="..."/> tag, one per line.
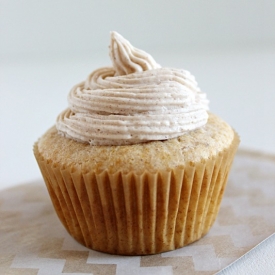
<point x="33" y="241"/>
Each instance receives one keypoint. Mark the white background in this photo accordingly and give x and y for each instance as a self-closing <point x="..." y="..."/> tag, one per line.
<point x="48" y="46"/>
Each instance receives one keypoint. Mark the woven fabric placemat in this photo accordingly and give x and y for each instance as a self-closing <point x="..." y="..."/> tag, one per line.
<point x="33" y="241"/>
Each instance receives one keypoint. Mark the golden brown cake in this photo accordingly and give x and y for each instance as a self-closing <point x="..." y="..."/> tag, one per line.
<point x="141" y="197"/>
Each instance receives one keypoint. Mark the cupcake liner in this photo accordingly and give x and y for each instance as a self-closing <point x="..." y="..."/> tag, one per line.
<point x="138" y="214"/>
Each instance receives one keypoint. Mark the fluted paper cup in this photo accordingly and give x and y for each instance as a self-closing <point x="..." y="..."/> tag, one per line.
<point x="138" y="214"/>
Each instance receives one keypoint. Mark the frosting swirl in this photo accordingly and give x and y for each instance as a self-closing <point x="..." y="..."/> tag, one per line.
<point x="132" y="102"/>
<point x="127" y="59"/>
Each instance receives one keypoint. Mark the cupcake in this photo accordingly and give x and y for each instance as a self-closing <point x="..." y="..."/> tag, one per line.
<point x="136" y="164"/>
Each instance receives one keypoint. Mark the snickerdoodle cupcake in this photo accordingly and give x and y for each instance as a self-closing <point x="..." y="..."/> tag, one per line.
<point x="137" y="164"/>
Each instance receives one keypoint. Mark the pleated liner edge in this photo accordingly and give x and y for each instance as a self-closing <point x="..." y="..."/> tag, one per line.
<point x="130" y="214"/>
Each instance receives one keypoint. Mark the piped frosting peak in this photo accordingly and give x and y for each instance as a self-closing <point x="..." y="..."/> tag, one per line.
<point x="134" y="101"/>
<point x="127" y="59"/>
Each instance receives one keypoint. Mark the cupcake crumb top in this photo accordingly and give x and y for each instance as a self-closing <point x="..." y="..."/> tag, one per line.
<point x="194" y="146"/>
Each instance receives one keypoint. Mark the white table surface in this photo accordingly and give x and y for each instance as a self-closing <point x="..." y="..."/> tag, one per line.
<point x="259" y="260"/>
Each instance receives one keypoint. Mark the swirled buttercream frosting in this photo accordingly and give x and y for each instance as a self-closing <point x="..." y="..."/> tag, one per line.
<point x="134" y="101"/>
